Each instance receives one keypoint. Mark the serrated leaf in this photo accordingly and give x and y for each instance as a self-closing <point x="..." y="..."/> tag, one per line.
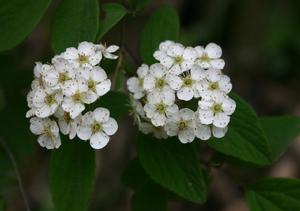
<point x="113" y="14"/>
<point x="162" y="25"/>
<point x="116" y="102"/>
<point x="73" y="22"/>
<point x="281" y="131"/>
<point x="17" y="20"/>
<point x="149" y="197"/>
<point x="278" y="194"/>
<point x="174" y="166"/>
<point x="245" y="139"/>
<point x="72" y="175"/>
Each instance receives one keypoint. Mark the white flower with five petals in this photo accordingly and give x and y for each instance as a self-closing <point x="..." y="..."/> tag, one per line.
<point x="210" y="56"/>
<point x="107" y="52"/>
<point x="97" y="126"/>
<point x="47" y="130"/>
<point x="216" y="111"/>
<point x="136" y="84"/>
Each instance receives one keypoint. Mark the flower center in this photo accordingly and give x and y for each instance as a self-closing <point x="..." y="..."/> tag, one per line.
<point x="83" y="59"/>
<point x="160" y="83"/>
<point x="92" y="85"/>
<point x="141" y="82"/>
<point x="77" y="97"/>
<point x="217" y="108"/>
<point x="67" y="117"/>
<point x="213" y="86"/>
<point x="204" y="58"/>
<point x="178" y="60"/>
<point x="182" y="125"/>
<point x="41" y="81"/>
<point x="50" y="99"/>
<point x="47" y="131"/>
<point x="63" y="77"/>
<point x="160" y="108"/>
<point x="187" y="81"/>
<point x="96" y="127"/>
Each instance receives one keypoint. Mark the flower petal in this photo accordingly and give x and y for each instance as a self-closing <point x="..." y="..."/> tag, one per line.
<point x="99" y="140"/>
<point x="110" y="127"/>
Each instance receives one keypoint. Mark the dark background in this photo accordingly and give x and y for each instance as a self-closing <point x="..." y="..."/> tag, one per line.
<point x="261" y="47"/>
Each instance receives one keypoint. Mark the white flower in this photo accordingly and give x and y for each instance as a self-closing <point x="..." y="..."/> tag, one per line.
<point x="210" y="56"/>
<point x="158" y="108"/>
<point x="108" y="51"/>
<point x="97" y="81"/>
<point x="204" y="132"/>
<point x="57" y="75"/>
<point x="176" y="57"/>
<point x="47" y="130"/>
<point x="158" y="132"/>
<point x="85" y="56"/>
<point x="97" y="126"/>
<point x="216" y="111"/>
<point x="181" y="124"/>
<point x="214" y="84"/>
<point x="76" y="96"/>
<point x="158" y="80"/>
<point x="136" y="84"/>
<point x="190" y="81"/>
<point x="67" y="125"/>
<point x="45" y="102"/>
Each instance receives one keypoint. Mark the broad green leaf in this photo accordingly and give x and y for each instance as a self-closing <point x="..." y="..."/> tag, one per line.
<point x="138" y="4"/>
<point x="74" y="21"/>
<point x="149" y="197"/>
<point x="162" y="25"/>
<point x="245" y="139"/>
<point x="17" y="20"/>
<point x="281" y="131"/>
<point x="113" y="14"/>
<point x="134" y="176"/>
<point x="1" y="205"/>
<point x="72" y="175"/>
<point x="116" y="102"/>
<point x="278" y="194"/>
<point x="174" y="166"/>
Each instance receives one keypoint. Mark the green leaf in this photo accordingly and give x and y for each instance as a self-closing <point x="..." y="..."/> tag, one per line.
<point x="113" y="14"/>
<point x="1" y="204"/>
<point x="245" y="139"/>
<point x="150" y="197"/>
<point x="278" y="194"/>
<point x="73" y="22"/>
<point x="134" y="175"/>
<point x="116" y="102"/>
<point x="281" y="131"/>
<point x="138" y="5"/>
<point x="72" y="175"/>
<point x="174" y="166"/>
<point x="162" y="25"/>
<point x="17" y="20"/>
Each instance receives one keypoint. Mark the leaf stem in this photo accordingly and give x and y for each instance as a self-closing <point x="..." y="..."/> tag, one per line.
<point x="15" y="166"/>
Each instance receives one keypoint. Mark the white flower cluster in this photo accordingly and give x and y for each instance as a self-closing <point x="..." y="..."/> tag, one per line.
<point x="160" y="91"/>
<point x="59" y="94"/>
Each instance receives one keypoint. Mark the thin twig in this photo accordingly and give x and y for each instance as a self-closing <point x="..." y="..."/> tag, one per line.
<point x="15" y="166"/>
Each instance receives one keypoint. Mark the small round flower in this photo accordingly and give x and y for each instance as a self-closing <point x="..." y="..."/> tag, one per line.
<point x="181" y="124"/>
<point x="47" y="130"/>
<point x="214" y="84"/>
<point x="190" y="81"/>
<point x="137" y="110"/>
<point x="216" y="111"/>
<point x="210" y="56"/>
<point x="67" y="125"/>
<point x="97" y="126"/>
<point x="176" y="57"/>
<point x="45" y="102"/>
<point x="158" y="108"/>
<point x="97" y="81"/>
<point x="136" y="84"/>
<point x="85" y="56"/>
<point x="107" y="51"/>
<point x="76" y="96"/>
